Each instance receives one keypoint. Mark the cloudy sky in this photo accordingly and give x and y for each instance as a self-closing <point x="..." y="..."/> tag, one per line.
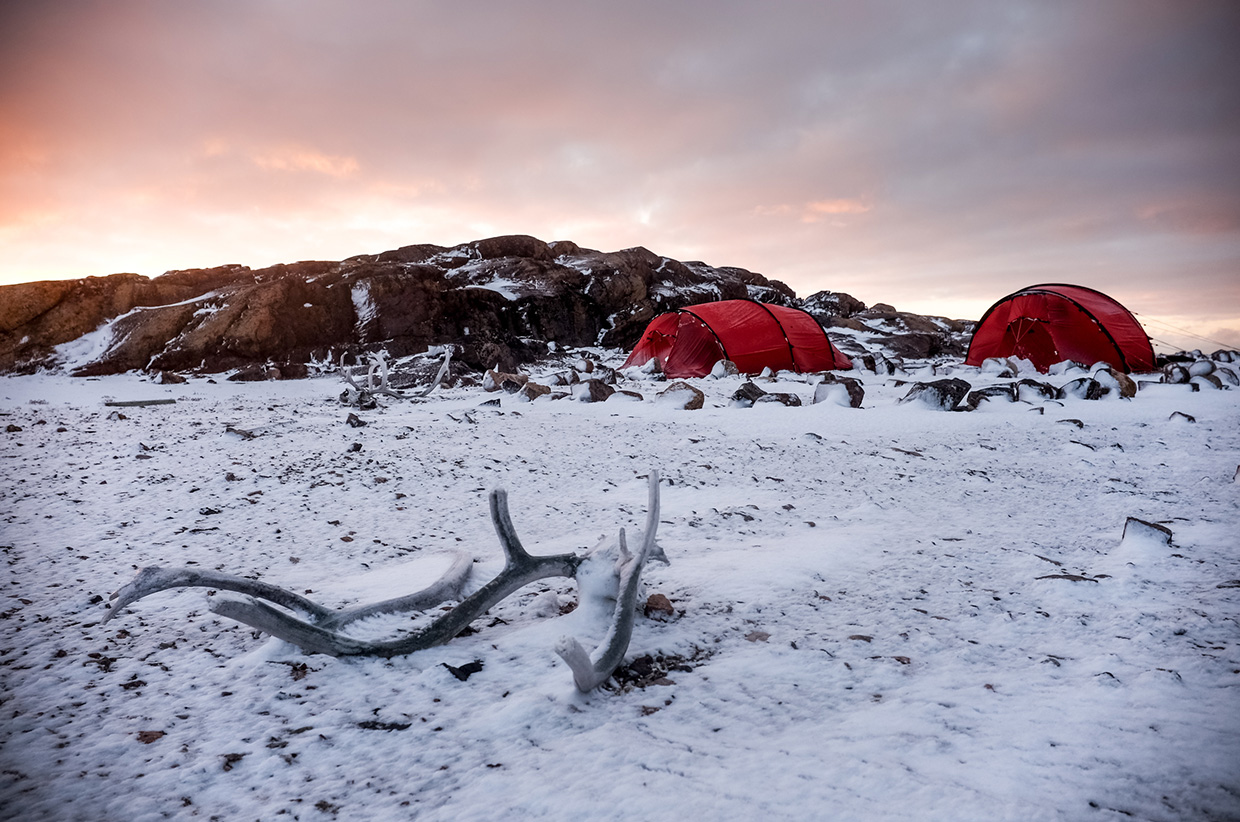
<point x="935" y="156"/>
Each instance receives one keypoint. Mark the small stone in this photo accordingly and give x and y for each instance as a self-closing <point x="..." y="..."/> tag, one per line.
<point x="658" y="604"/>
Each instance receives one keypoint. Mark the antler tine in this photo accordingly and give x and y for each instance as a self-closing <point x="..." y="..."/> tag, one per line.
<point x="345" y="372"/>
<point x="590" y="671"/>
<point x="651" y="548"/>
<point x="520" y="568"/>
<point x="509" y="542"/>
<point x="310" y="638"/>
<point x="443" y="371"/>
<point x="445" y="588"/>
<point x="153" y="579"/>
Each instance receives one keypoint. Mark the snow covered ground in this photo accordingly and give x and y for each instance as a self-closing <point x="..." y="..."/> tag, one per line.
<point x="886" y="613"/>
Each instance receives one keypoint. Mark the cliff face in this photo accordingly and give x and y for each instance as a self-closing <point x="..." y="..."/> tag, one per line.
<point x="500" y="300"/>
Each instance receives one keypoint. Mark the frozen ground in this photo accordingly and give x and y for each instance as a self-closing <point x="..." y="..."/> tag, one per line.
<point x="886" y="613"/>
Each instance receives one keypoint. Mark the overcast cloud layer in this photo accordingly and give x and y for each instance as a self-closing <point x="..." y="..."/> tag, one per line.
<point x="934" y="156"/>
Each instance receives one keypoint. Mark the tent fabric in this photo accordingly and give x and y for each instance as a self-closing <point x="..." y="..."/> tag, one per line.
<point x="689" y="341"/>
<point x="1053" y="322"/>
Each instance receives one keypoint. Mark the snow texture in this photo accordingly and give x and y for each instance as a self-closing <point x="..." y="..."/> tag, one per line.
<point x="886" y="613"/>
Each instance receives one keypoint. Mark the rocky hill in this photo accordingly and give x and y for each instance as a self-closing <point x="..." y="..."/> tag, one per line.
<point x="501" y="301"/>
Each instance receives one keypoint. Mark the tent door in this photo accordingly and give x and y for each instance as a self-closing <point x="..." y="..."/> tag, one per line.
<point x="1030" y="339"/>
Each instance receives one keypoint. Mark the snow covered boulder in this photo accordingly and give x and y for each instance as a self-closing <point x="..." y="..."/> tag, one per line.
<point x="1082" y="388"/>
<point x="593" y="391"/>
<point x="1028" y="390"/>
<point x="1227" y="376"/>
<point x="1142" y="548"/>
<point x="991" y="393"/>
<point x="682" y="396"/>
<point x="724" y="368"/>
<point x="941" y="395"/>
<point x="1226" y="355"/>
<point x="1060" y="369"/>
<point x="747" y="395"/>
<point x="532" y="391"/>
<point x="495" y="380"/>
<point x="625" y="396"/>
<point x="1175" y="373"/>
<point x="1205" y="382"/>
<point x="999" y="367"/>
<point x="1117" y="383"/>
<point x="834" y="390"/>
<point x="781" y="398"/>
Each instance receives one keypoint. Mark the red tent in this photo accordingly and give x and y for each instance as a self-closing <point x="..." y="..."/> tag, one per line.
<point x="1051" y="323"/>
<point x="690" y="340"/>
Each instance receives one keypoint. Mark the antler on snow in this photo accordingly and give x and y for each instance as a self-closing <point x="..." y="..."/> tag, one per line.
<point x="592" y="670"/>
<point x="320" y="631"/>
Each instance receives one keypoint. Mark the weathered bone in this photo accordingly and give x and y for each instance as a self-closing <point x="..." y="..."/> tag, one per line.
<point x="378" y="374"/>
<point x="320" y="632"/>
<point x="347" y="375"/>
<point x="592" y="670"/>
<point x="378" y="362"/>
<point x="443" y="372"/>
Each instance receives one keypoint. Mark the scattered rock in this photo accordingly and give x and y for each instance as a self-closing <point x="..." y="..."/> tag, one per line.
<point x="1208" y="381"/>
<point x="1028" y="390"/>
<point x="747" y="395"/>
<point x="1082" y="388"/>
<point x="791" y="400"/>
<point x="843" y="391"/>
<point x="999" y="367"/>
<point x="593" y="390"/>
<point x="1147" y="530"/>
<point x="1002" y="393"/>
<point x="658" y="605"/>
<point x="355" y="421"/>
<point x="1115" y="381"/>
<point x="532" y="391"/>
<point x="1180" y="416"/>
<point x="465" y="671"/>
<point x="1175" y="373"/>
<point x="941" y="395"/>
<point x="250" y="373"/>
<point x="682" y="395"/>
<point x="725" y="368"/>
<point x="497" y="380"/>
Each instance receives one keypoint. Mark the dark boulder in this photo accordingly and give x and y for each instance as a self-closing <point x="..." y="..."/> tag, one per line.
<point x="942" y="395"/>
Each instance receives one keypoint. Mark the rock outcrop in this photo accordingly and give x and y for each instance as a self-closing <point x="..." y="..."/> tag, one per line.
<point x="501" y="301"/>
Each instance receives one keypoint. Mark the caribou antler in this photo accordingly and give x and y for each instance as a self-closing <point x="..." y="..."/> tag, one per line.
<point x="592" y="670"/>
<point x="320" y="632"/>
<point x="443" y="372"/>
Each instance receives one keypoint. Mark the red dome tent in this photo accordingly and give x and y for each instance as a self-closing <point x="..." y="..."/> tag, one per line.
<point x="690" y="340"/>
<point x="1050" y="323"/>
